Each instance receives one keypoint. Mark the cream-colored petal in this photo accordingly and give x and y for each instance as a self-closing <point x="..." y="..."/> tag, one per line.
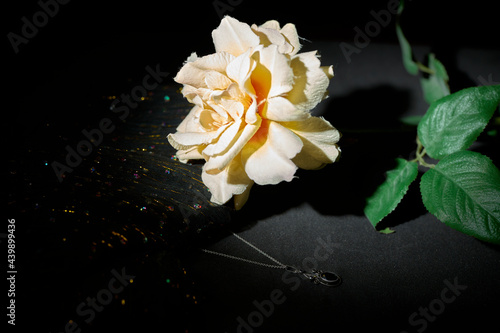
<point x="251" y="116"/>
<point x="232" y="180"/>
<point x="267" y="157"/>
<point x="233" y="107"/>
<point x="189" y="92"/>
<point x="232" y="100"/>
<point x="269" y="34"/>
<point x="215" y="61"/>
<point x="245" y="133"/>
<point x="328" y="70"/>
<point x="234" y="37"/>
<point x="215" y="80"/>
<point x="192" y="57"/>
<point x="196" y="95"/>
<point x="273" y="66"/>
<point x="281" y="109"/>
<point x="271" y="24"/>
<point x="290" y="33"/>
<point x="320" y="142"/>
<point x="285" y="38"/>
<point x="240" y="68"/>
<point x="193" y="73"/>
<point x="233" y="90"/>
<point x="311" y="82"/>
<point x="190" y="123"/>
<point x="210" y="120"/>
<point x="192" y="153"/>
<point x="224" y="141"/>
<point x="186" y="141"/>
<point x="236" y="109"/>
<point x="241" y="199"/>
<point x="219" y="109"/>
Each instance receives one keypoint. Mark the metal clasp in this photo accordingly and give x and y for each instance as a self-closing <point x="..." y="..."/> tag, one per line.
<point x="328" y="279"/>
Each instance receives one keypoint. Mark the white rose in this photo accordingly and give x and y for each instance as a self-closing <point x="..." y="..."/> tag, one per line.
<point x="250" y="121"/>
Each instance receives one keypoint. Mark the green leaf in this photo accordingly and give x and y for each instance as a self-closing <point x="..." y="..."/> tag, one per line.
<point x="407" y="55"/>
<point x="387" y="231"/>
<point x="389" y="194"/>
<point x="435" y="86"/>
<point x="454" y="122"/>
<point x="463" y="191"/>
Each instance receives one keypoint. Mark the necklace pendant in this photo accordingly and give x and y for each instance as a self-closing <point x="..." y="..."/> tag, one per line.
<point x="328" y="279"/>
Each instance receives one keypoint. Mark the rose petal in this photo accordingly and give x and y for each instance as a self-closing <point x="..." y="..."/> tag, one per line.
<point x="244" y="134"/>
<point x="269" y="34"/>
<point x="187" y="140"/>
<point x="216" y="80"/>
<point x="290" y="33"/>
<point x="240" y="69"/>
<point x="267" y="157"/>
<point x="311" y="82"/>
<point x="234" y="37"/>
<point x="215" y="62"/>
<point x="241" y="199"/>
<point x="190" y="123"/>
<point x="273" y="73"/>
<point x="251" y="116"/>
<point x="232" y="180"/>
<point x="193" y="73"/>
<point x="281" y="109"/>
<point x="192" y="153"/>
<point x="211" y="120"/>
<point x="328" y="70"/>
<point x="224" y="141"/>
<point x="271" y="24"/>
<point x="234" y="91"/>
<point x="190" y="93"/>
<point x="319" y="138"/>
<point x="234" y="107"/>
<point x="285" y="38"/>
<point x="218" y="108"/>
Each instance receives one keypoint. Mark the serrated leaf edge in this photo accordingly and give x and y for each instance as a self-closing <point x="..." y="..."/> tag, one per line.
<point x="403" y="193"/>
<point x="430" y="144"/>
<point x="471" y="233"/>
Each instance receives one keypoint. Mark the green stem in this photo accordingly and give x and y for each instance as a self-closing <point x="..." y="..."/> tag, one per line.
<point x="424" y="68"/>
<point x="421" y="153"/>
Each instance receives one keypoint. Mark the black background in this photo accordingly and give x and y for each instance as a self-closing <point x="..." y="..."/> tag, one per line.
<point x="92" y="49"/>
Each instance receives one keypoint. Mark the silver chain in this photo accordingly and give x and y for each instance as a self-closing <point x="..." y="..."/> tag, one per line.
<point x="316" y="276"/>
<point x="279" y="266"/>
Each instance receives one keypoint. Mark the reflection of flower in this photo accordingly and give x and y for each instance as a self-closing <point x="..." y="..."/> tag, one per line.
<point x="251" y="120"/>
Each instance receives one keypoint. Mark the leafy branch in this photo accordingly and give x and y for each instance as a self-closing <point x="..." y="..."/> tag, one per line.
<point x="463" y="188"/>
